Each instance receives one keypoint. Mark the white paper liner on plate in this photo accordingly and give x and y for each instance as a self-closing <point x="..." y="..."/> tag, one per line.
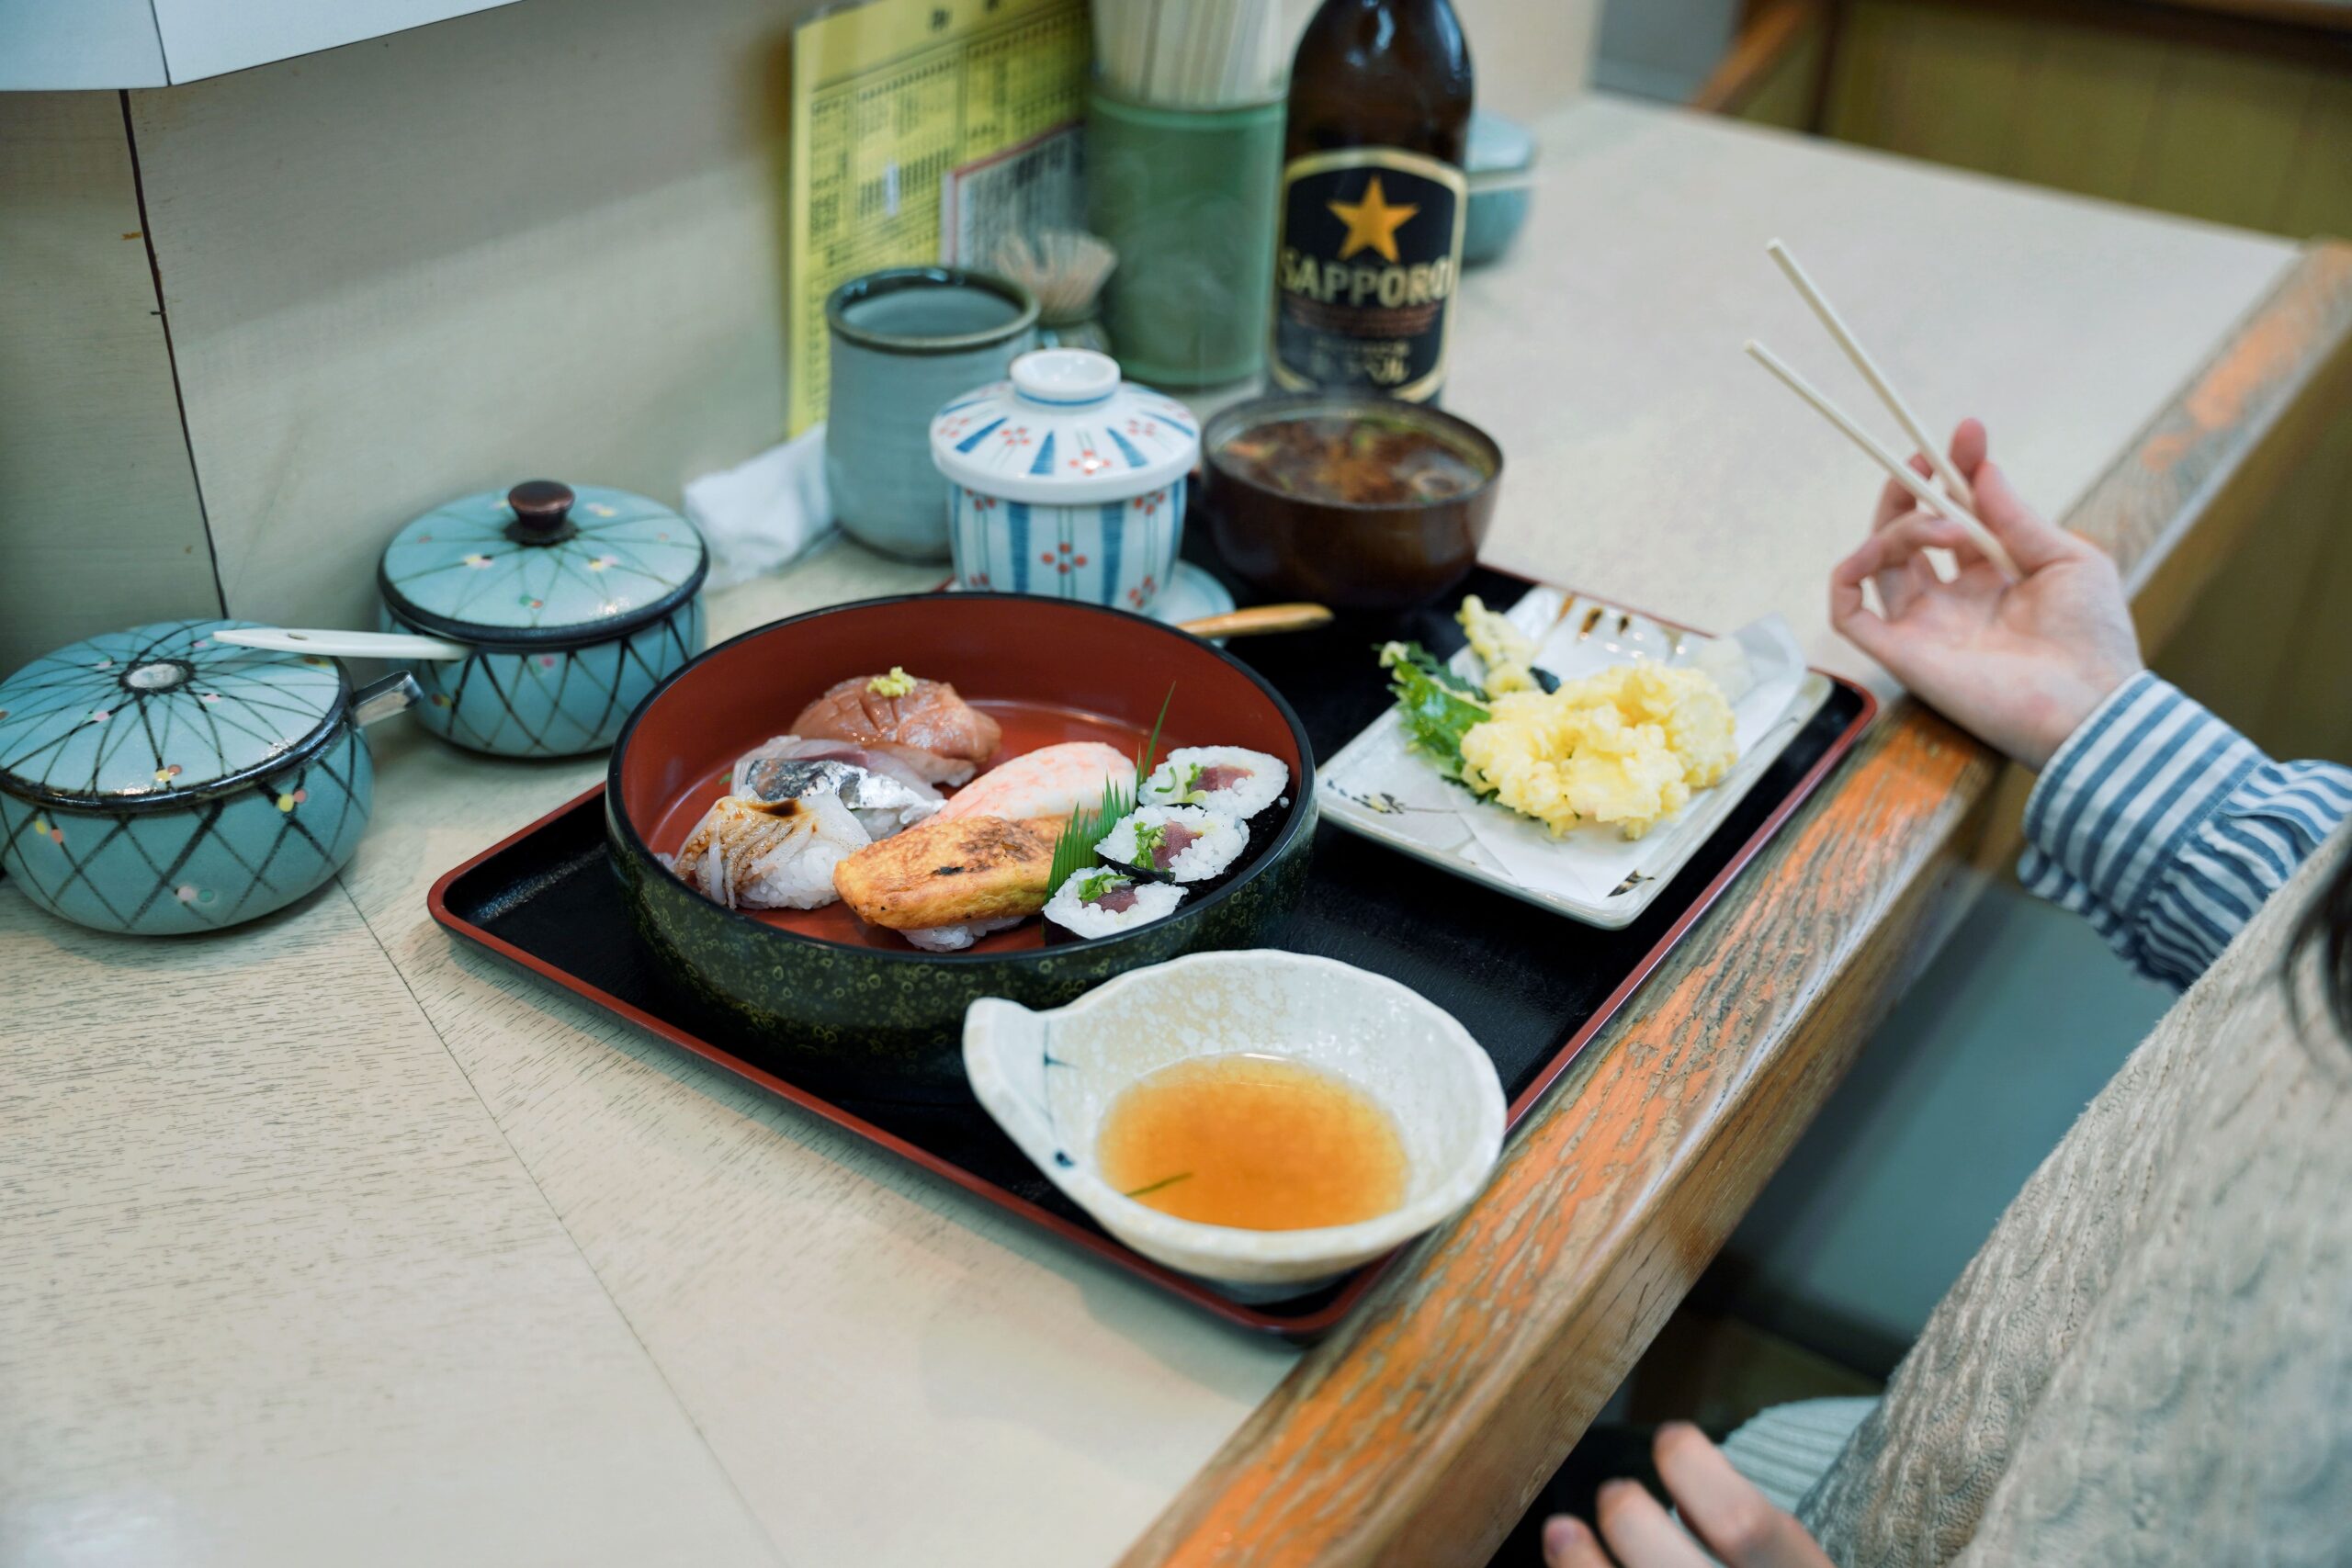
<point x="1759" y="667"/>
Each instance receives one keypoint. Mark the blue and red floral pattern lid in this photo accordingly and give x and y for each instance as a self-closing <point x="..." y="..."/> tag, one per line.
<point x="1065" y="431"/>
<point x="542" y="563"/>
<point x="159" y="714"/>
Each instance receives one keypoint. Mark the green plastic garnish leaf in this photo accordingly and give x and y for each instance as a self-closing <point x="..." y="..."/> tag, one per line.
<point x="1151" y="747"/>
<point x="1074" y="846"/>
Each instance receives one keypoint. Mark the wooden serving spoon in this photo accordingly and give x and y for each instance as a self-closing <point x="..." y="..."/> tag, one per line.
<point x="1259" y="620"/>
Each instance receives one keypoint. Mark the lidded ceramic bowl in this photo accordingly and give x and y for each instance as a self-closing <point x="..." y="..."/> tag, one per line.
<point x="1066" y="481"/>
<point x="577" y="602"/>
<point x="1498" y="162"/>
<point x="156" y="781"/>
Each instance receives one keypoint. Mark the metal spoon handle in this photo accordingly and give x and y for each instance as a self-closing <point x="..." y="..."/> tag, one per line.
<point x="343" y="645"/>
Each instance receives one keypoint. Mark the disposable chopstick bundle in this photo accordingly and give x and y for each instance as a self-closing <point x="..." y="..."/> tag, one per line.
<point x="1196" y="54"/>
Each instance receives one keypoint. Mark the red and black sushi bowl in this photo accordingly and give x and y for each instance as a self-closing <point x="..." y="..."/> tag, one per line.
<point x="855" y="1010"/>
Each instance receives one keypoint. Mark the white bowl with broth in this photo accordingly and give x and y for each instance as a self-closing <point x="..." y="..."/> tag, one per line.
<point x="1311" y="1116"/>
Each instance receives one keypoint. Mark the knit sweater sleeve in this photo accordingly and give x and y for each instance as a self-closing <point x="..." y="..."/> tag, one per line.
<point x="2166" y="829"/>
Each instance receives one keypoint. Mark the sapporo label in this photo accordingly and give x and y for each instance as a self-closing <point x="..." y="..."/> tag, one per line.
<point x="1364" y="284"/>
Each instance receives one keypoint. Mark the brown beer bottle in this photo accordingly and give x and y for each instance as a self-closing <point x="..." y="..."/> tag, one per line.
<point x="1373" y="199"/>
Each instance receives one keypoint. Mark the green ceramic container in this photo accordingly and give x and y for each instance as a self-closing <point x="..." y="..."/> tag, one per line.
<point x="860" y="1012"/>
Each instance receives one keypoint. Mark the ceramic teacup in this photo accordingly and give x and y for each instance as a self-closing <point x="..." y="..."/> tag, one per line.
<point x="1048" y="1078"/>
<point x="905" y="341"/>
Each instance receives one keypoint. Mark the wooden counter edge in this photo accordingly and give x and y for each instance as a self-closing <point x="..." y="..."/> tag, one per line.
<point x="1769" y="34"/>
<point x="1416" y="1434"/>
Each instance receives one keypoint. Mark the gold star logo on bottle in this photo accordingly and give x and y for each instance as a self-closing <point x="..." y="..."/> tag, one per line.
<point x="1371" y="222"/>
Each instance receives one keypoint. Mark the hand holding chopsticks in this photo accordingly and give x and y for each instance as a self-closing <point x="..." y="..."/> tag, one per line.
<point x="1899" y="470"/>
<point x="2020" y="664"/>
<point x="1954" y="506"/>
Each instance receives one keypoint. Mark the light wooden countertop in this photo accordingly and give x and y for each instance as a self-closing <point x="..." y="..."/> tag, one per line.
<point x="332" y="1240"/>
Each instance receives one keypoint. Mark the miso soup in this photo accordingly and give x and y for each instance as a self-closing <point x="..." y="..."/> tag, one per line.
<point x="1357" y="459"/>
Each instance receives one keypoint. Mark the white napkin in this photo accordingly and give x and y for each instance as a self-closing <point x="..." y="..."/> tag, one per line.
<point x="1587" y="862"/>
<point x="760" y="514"/>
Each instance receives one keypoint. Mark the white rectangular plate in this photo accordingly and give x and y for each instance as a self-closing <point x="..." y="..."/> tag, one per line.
<point x="1376" y="787"/>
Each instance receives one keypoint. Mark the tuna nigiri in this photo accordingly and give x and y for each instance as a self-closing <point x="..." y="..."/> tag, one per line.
<point x="1052" y="781"/>
<point x="924" y="723"/>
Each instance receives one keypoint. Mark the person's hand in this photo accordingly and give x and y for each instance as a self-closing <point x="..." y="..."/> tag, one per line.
<point x="2020" y="664"/>
<point x="1737" y="1523"/>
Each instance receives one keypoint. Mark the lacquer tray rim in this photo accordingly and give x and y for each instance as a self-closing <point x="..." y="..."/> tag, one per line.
<point x="1298" y="1328"/>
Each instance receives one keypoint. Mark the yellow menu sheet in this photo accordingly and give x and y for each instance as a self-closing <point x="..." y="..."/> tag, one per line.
<point x="921" y="130"/>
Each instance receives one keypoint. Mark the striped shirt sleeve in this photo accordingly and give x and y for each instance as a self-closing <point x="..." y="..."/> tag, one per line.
<point x="2166" y="829"/>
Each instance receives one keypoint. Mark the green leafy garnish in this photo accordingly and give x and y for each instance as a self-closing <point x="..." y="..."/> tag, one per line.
<point x="1074" y="846"/>
<point x="1188" y="786"/>
<point x="1438" y="707"/>
<point x="1150" y="838"/>
<point x="1163" y="1182"/>
<point x="1093" y="884"/>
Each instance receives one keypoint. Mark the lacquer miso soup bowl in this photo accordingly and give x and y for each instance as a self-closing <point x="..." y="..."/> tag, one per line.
<point x="1348" y="498"/>
<point x="823" y="998"/>
<point x="1050" y="1078"/>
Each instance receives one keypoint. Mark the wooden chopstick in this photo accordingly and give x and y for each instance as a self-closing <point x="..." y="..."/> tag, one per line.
<point x="1877" y="378"/>
<point x="1899" y="470"/>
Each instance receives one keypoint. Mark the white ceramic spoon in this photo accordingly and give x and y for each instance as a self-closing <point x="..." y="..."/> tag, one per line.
<point x="344" y="645"/>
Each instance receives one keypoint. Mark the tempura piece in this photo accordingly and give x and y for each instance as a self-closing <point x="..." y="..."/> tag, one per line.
<point x="1625" y="746"/>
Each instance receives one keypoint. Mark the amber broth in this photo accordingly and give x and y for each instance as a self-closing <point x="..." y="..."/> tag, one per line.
<point x="1258" y="1142"/>
<point x="1359" y="460"/>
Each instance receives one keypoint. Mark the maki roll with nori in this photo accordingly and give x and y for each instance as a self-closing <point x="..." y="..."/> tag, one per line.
<point x="1104" y="901"/>
<point x="1174" y="844"/>
<point x="1228" y="779"/>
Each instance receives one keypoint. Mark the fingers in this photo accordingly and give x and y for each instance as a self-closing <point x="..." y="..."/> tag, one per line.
<point x="1738" y="1523"/>
<point x="1883" y="638"/>
<point x="1568" y="1544"/>
<point x="1894" y="501"/>
<point x="2034" y="542"/>
<point x="1887" y="553"/>
<point x="1970" y="447"/>
<point x="1642" y="1533"/>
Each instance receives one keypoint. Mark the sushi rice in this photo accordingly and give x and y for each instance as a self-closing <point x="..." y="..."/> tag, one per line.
<point x="1077" y="904"/>
<point x="955" y="939"/>
<point x="1229" y="779"/>
<point x="1208" y="842"/>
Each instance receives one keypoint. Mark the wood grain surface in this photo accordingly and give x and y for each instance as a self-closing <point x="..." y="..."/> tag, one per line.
<point x="1418" y="1434"/>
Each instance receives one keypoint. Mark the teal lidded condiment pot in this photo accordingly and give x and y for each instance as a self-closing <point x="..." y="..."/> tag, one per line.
<point x="156" y="781"/>
<point x="576" y="603"/>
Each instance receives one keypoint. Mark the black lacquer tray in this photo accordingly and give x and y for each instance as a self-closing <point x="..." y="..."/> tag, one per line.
<point x="1532" y="986"/>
